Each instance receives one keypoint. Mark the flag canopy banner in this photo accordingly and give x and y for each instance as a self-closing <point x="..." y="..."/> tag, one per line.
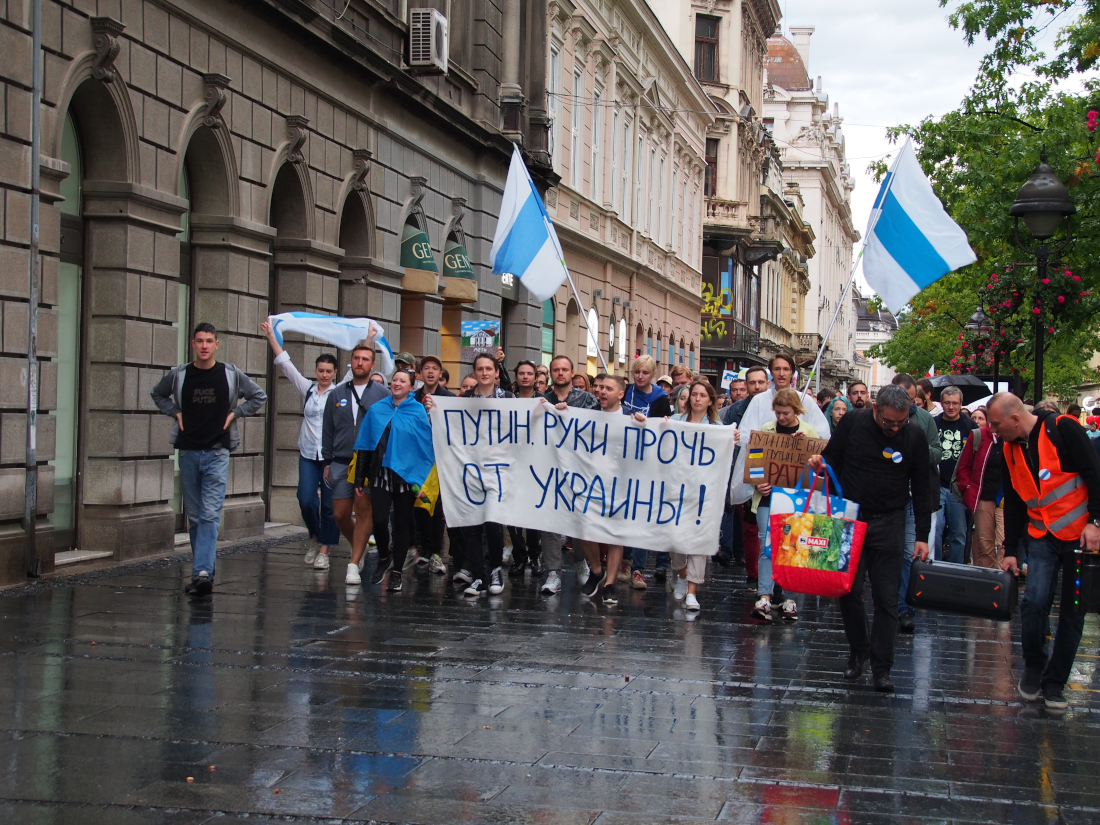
<point x="588" y="474"/>
<point x="911" y="241"/>
<point x="525" y="244"/>
<point x="344" y="333"/>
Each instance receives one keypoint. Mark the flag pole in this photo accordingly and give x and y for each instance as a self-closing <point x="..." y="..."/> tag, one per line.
<point x="852" y="274"/>
<point x="580" y="304"/>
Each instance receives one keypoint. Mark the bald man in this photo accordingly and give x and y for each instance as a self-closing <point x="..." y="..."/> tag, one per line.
<point x="1052" y="489"/>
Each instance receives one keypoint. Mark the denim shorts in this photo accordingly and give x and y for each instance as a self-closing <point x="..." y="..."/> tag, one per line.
<point x="338" y="481"/>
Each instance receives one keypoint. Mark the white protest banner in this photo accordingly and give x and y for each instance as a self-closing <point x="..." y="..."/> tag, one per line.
<point x="606" y="477"/>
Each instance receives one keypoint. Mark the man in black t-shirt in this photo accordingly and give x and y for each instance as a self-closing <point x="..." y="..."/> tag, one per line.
<point x="954" y="427"/>
<point x="206" y="398"/>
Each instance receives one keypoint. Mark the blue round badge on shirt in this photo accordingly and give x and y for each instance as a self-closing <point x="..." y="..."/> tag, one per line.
<point x="892" y="455"/>
<point x="343" y="402"/>
<point x="897" y="457"/>
<point x="1044" y="474"/>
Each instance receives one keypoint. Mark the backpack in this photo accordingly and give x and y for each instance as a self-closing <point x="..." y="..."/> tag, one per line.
<point x="976" y="434"/>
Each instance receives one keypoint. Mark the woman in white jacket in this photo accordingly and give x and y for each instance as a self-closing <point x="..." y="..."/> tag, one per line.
<point x="316" y="508"/>
<point x="690" y="570"/>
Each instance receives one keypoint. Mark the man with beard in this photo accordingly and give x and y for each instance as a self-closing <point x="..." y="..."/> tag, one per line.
<point x="345" y="408"/>
<point x="858" y="396"/>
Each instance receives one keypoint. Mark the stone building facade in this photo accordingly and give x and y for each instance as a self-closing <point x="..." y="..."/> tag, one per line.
<point x="726" y="42"/>
<point x="628" y="135"/>
<point x="811" y="147"/>
<point x="219" y="162"/>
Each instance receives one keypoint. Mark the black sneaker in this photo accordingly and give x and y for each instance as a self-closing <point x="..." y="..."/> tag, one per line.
<point x="394" y="585"/>
<point x="477" y="588"/>
<point x="751" y="584"/>
<point x="722" y="558"/>
<point x="1029" y="687"/>
<point x="905" y="622"/>
<point x="201" y="585"/>
<point x="738" y="559"/>
<point x="592" y="583"/>
<point x="607" y="595"/>
<point x="537" y="570"/>
<point x="381" y="568"/>
<point x="517" y="569"/>
<point x="1054" y="697"/>
<point x="660" y="574"/>
<point x="496" y="581"/>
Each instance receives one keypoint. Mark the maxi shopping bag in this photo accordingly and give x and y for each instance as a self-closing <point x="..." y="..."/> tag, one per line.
<point x="793" y="500"/>
<point x="813" y="553"/>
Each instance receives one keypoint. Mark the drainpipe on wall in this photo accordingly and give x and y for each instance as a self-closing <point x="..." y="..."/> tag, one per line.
<point x="30" y="506"/>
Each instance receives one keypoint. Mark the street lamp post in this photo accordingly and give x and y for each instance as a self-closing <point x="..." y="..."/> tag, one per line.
<point x="980" y="324"/>
<point x="1042" y="202"/>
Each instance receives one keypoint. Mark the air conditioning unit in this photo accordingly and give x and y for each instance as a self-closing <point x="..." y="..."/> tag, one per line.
<point x="428" y="41"/>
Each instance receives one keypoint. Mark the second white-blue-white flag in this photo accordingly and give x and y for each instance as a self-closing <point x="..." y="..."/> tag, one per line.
<point x="911" y="241"/>
<point x="525" y="244"/>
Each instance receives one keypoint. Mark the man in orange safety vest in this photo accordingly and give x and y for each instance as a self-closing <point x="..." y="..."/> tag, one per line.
<point x="1052" y="490"/>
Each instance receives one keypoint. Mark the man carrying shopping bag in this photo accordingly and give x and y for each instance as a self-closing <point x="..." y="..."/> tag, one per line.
<point x="879" y="456"/>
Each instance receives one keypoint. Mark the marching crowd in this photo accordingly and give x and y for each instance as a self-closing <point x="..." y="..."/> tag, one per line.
<point x="1004" y="485"/>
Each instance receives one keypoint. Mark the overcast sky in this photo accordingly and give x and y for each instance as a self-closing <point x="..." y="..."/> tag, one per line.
<point x="885" y="62"/>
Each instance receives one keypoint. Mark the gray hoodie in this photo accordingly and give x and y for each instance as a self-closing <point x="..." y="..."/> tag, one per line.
<point x="166" y="395"/>
<point x="338" y="430"/>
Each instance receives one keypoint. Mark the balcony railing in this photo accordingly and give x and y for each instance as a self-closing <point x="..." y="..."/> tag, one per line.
<point x="807" y="343"/>
<point x="727" y="213"/>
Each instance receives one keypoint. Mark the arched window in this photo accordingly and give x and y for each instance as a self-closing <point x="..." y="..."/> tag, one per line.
<point x="547" y="330"/>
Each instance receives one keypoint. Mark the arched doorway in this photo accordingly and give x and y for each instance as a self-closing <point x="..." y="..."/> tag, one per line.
<point x="70" y="283"/>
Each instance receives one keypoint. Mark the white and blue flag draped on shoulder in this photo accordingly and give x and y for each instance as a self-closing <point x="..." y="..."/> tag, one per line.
<point x="525" y="244"/>
<point x="911" y="241"/>
<point x="344" y="333"/>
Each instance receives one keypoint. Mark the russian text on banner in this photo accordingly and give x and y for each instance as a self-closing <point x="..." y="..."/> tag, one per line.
<point x="592" y="475"/>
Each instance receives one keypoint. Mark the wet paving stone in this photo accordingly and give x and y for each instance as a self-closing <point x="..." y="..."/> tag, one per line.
<point x="289" y="697"/>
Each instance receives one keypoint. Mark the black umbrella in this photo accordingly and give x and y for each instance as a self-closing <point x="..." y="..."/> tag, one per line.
<point x="973" y="388"/>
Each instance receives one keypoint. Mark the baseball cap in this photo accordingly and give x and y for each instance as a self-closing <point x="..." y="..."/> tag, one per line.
<point x="432" y="359"/>
<point x="407" y="357"/>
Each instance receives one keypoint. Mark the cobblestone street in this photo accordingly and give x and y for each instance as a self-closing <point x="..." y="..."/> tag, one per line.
<point x="294" y="696"/>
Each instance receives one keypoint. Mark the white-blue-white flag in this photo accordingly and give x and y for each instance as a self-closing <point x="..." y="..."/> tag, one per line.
<point x="525" y="244"/>
<point x="344" y="333"/>
<point x="911" y="241"/>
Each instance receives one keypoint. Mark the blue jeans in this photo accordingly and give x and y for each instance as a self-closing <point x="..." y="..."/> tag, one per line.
<point x="203" y="474"/>
<point x="638" y="557"/>
<point x="1046" y="557"/>
<point x="764" y="582"/>
<point x="316" y="510"/>
<point x="952" y="527"/>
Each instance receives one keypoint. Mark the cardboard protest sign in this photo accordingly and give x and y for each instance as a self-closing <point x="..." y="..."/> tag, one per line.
<point x="777" y="459"/>
<point x="660" y="485"/>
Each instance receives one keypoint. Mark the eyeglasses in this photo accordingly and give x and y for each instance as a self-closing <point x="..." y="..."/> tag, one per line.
<point x="889" y="424"/>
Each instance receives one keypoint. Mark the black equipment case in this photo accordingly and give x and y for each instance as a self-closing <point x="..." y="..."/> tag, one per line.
<point x="960" y="588"/>
<point x="1084" y="587"/>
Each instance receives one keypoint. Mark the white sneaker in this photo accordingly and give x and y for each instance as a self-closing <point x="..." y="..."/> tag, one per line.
<point x="410" y="560"/>
<point x="552" y="584"/>
<point x="762" y="609"/>
<point x="463" y="576"/>
<point x="353" y="576"/>
<point x="496" y="581"/>
<point x="321" y="562"/>
<point x="789" y="610"/>
<point x="311" y="553"/>
<point x="371" y="541"/>
<point x="680" y="589"/>
<point x="691" y="603"/>
<point x="437" y="565"/>
<point x="582" y="572"/>
<point x="421" y="558"/>
<point x="362" y="561"/>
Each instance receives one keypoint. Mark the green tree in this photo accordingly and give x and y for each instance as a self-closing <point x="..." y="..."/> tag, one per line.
<point x="1024" y="104"/>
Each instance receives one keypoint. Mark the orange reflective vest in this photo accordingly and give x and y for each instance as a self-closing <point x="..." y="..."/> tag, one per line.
<point x="1060" y="504"/>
